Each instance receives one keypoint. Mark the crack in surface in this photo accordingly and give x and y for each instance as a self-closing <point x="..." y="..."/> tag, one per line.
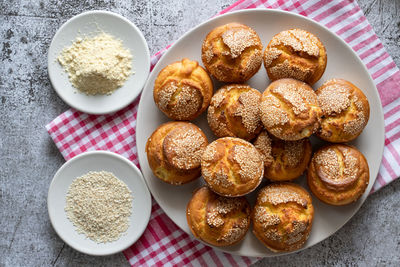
<point x="58" y="255"/>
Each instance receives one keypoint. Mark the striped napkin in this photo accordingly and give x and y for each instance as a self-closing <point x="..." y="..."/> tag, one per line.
<point x="163" y="243"/>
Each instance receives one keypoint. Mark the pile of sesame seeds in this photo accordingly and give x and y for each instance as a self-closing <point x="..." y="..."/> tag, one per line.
<point x="99" y="205"/>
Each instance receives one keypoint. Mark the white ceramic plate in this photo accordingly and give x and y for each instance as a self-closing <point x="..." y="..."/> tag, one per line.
<point x="124" y="170"/>
<point x="88" y="24"/>
<point x="342" y="63"/>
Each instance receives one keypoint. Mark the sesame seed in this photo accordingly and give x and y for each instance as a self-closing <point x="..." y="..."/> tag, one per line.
<point x="271" y="112"/>
<point x="333" y="99"/>
<point x="180" y="101"/>
<point x="265" y="218"/>
<point x="292" y="94"/>
<point x="299" y="40"/>
<point x="263" y="145"/>
<point x="99" y="205"/>
<point x="294" y="151"/>
<point x="239" y="40"/>
<point x="223" y="157"/>
<point x="186" y="144"/>
<point x="249" y="110"/>
<point x="280" y="195"/>
<point x="337" y="167"/>
<point x="287" y="69"/>
<point x="270" y="55"/>
<point x="249" y="162"/>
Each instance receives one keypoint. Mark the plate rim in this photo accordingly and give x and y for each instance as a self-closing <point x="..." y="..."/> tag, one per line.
<point x="314" y="23"/>
<point x="146" y="64"/>
<point x="139" y="176"/>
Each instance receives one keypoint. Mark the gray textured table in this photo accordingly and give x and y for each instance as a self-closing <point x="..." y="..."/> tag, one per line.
<point x="29" y="159"/>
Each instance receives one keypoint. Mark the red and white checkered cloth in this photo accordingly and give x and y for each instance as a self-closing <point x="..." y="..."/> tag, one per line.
<point x="163" y="243"/>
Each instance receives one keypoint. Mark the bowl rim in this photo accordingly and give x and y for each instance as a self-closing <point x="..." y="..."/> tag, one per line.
<point x="146" y="65"/>
<point x="138" y="174"/>
<point x="314" y="24"/>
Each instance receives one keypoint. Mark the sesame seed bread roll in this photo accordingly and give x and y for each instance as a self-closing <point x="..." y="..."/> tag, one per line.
<point x="295" y="54"/>
<point x="338" y="174"/>
<point x="345" y="111"/>
<point x="283" y="160"/>
<point x="218" y="220"/>
<point x="232" y="167"/>
<point x="183" y="90"/>
<point x="174" y="152"/>
<point x="235" y="111"/>
<point x="290" y="110"/>
<point x="282" y="217"/>
<point x="232" y="53"/>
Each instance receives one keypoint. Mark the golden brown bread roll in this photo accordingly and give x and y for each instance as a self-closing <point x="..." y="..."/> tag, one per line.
<point x="232" y="167"/>
<point x="283" y="160"/>
<point x="218" y="220"/>
<point x="174" y="152"/>
<point x="282" y="217"/>
<point x="338" y="174"/>
<point x="183" y="90"/>
<point x="235" y="111"/>
<point x="295" y="54"/>
<point x="345" y="111"/>
<point x="232" y="53"/>
<point x="290" y="110"/>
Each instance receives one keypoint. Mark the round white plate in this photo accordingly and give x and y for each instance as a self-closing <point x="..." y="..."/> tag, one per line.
<point x="342" y="63"/>
<point x="89" y="24"/>
<point x="124" y="170"/>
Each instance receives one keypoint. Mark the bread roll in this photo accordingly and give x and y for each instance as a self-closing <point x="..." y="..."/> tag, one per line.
<point x="296" y="54"/>
<point x="345" y="111"/>
<point x="282" y="217"/>
<point x="218" y="220"/>
<point x="290" y="110"/>
<point x="232" y="167"/>
<point x="338" y="174"/>
<point x="283" y="160"/>
<point x="183" y="90"/>
<point x="174" y="152"/>
<point x="235" y="111"/>
<point x="232" y="53"/>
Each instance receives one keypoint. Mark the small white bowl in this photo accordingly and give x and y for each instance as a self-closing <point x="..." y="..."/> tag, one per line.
<point x="122" y="168"/>
<point x="88" y="24"/>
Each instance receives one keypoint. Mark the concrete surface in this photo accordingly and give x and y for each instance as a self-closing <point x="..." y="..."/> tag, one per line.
<point x="29" y="159"/>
